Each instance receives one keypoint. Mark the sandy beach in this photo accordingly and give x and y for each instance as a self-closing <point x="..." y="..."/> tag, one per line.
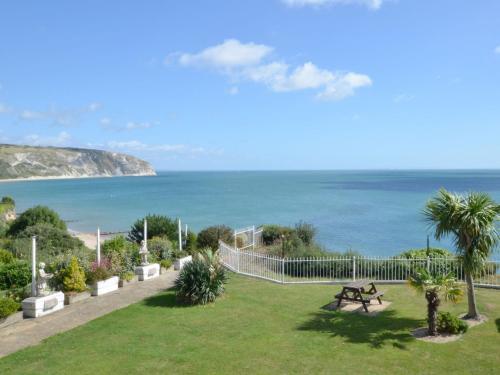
<point x="89" y="238"/>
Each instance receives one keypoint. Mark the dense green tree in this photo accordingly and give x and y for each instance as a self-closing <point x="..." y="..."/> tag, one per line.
<point x="471" y="221"/>
<point x="158" y="226"/>
<point x="35" y="216"/>
<point x="210" y="237"/>
<point x="51" y="242"/>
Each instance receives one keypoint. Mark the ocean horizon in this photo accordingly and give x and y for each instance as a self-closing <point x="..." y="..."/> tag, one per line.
<point x="375" y="212"/>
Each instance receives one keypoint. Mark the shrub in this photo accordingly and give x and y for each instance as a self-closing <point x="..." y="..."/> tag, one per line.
<point x="51" y="242"/>
<point x="34" y="216"/>
<point x="191" y="243"/>
<point x="14" y="275"/>
<point x="158" y="226"/>
<point x="8" y="307"/>
<point x="9" y="201"/>
<point x="127" y="275"/>
<point x="166" y="263"/>
<point x="6" y="256"/>
<point x="160" y="248"/>
<point x="432" y="252"/>
<point x="74" y="277"/>
<point x="447" y="323"/>
<point x="305" y="232"/>
<point x="122" y="254"/>
<point x="210" y="237"/>
<point x="19" y="294"/>
<point x="99" y="272"/>
<point x="202" y="280"/>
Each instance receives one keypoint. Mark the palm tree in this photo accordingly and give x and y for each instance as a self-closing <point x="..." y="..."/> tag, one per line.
<point x="435" y="288"/>
<point x="471" y="221"/>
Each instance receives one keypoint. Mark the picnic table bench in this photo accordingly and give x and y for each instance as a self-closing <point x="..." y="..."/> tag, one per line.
<point x="362" y="291"/>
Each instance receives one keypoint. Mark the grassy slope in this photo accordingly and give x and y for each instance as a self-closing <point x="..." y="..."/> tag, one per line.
<point x="261" y="327"/>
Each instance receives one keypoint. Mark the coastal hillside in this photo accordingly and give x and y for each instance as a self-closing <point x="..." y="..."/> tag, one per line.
<point x="53" y="162"/>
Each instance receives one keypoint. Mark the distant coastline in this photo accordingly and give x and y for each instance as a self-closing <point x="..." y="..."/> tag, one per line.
<point x="41" y="178"/>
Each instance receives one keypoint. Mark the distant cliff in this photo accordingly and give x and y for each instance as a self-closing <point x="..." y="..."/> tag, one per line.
<point x="53" y="162"/>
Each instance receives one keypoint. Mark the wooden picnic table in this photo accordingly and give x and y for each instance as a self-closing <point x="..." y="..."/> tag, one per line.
<point x="362" y="291"/>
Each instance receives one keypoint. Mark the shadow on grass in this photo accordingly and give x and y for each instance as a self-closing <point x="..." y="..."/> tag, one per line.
<point x="167" y="299"/>
<point x="497" y="322"/>
<point x="384" y="328"/>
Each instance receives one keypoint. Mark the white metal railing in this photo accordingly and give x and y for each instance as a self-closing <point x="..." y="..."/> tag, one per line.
<point x="341" y="269"/>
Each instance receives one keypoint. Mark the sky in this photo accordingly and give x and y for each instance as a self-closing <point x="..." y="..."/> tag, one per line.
<point x="257" y="85"/>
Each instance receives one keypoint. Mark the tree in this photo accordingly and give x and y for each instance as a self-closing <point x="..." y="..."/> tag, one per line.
<point x="158" y="226"/>
<point x="34" y="216"/>
<point x="74" y="277"/>
<point x="210" y="237"/>
<point x="51" y="242"/>
<point x="435" y="288"/>
<point x="470" y="220"/>
<point x="8" y="201"/>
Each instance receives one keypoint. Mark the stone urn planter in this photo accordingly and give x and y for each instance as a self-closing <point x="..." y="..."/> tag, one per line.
<point x="179" y="263"/>
<point x="73" y="297"/>
<point x="105" y="286"/>
<point x="123" y="283"/>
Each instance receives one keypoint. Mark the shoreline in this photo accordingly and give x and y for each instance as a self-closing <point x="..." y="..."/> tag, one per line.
<point x="90" y="238"/>
<point x="42" y="178"/>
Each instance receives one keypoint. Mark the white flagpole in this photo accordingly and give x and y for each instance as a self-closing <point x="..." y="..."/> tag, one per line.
<point x="180" y="235"/>
<point x="98" y="246"/>
<point x="33" y="267"/>
<point x="145" y="233"/>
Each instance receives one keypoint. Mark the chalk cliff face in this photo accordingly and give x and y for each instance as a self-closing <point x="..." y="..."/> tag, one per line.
<point x="52" y="162"/>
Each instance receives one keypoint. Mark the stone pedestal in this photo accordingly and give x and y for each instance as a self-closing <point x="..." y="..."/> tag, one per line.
<point x="179" y="263"/>
<point x="147" y="272"/>
<point x="105" y="286"/>
<point x="34" y="307"/>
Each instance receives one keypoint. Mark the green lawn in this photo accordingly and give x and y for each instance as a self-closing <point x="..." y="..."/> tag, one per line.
<point x="260" y="327"/>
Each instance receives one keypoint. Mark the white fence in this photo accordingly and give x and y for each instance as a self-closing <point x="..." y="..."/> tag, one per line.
<point x="341" y="269"/>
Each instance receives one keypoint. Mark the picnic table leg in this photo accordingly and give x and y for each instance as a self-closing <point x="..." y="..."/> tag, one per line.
<point x="342" y="295"/>
<point x="360" y="296"/>
<point x="374" y="290"/>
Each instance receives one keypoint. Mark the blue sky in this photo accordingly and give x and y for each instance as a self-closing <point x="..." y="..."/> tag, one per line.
<point x="274" y="84"/>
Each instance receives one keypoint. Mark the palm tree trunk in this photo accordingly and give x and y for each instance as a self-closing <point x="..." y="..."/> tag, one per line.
<point x="432" y="309"/>
<point x="471" y="298"/>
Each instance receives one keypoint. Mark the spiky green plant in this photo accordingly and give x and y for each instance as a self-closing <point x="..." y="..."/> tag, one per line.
<point x="202" y="280"/>
<point x="470" y="220"/>
<point x="434" y="288"/>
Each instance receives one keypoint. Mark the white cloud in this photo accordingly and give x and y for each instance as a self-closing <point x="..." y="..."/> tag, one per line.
<point x="332" y="86"/>
<point x="278" y="75"/>
<point x="105" y="121"/>
<point x="177" y="149"/>
<point x="344" y="85"/>
<point x="92" y="107"/>
<point x="137" y="125"/>
<point x="372" y="4"/>
<point x="231" y="53"/>
<point x="55" y="116"/>
<point x="497" y="50"/>
<point x="403" y="98"/>
<point x="62" y="139"/>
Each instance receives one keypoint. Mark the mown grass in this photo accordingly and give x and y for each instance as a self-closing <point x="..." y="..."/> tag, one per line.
<point x="260" y="327"/>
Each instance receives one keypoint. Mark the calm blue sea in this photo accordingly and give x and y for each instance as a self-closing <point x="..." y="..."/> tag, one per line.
<point x="375" y="212"/>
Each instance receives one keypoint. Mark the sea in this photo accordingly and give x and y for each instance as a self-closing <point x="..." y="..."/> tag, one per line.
<point x="377" y="213"/>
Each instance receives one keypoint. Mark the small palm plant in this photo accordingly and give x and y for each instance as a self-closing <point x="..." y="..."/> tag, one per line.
<point x="202" y="280"/>
<point x="435" y="288"/>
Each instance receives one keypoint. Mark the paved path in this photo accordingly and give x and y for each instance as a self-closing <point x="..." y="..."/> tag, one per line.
<point x="30" y="332"/>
